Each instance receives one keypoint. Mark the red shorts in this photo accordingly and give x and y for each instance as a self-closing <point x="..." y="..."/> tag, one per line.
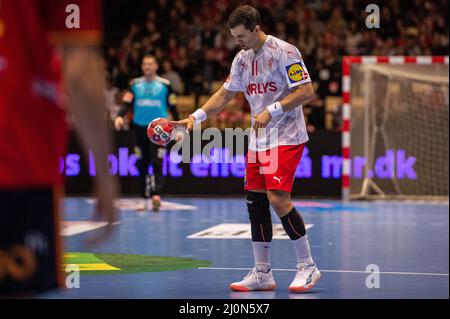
<point x="272" y="169"/>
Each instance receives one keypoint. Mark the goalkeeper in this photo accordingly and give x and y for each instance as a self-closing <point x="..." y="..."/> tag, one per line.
<point x="150" y="97"/>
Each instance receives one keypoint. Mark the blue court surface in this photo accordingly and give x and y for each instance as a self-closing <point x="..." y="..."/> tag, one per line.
<point x="407" y="242"/>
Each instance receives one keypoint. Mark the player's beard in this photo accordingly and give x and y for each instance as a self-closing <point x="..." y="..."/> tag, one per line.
<point x="244" y="47"/>
<point x="249" y="46"/>
<point x="148" y="73"/>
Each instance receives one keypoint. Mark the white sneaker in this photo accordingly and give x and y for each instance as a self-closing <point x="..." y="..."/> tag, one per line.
<point x="306" y="277"/>
<point x="255" y="280"/>
<point x="156" y="202"/>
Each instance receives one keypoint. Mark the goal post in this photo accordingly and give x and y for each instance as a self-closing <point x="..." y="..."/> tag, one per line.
<point x="395" y="130"/>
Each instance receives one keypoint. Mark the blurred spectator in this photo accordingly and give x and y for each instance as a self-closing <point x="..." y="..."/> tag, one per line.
<point x="208" y="34"/>
<point x="280" y="31"/>
<point x="133" y="63"/>
<point x="337" y="24"/>
<point x="134" y="33"/>
<point x="173" y="77"/>
<point x="112" y="101"/>
<point x="154" y="36"/>
<point x="328" y="74"/>
<point x="113" y="62"/>
<point x="123" y="76"/>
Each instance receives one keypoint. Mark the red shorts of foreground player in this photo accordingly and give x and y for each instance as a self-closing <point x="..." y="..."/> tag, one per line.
<point x="272" y="169"/>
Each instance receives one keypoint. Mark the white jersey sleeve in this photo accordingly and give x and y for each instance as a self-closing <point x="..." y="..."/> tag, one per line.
<point x="293" y="67"/>
<point x="234" y="81"/>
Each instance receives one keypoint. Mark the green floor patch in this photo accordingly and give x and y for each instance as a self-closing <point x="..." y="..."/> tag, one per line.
<point x="100" y="263"/>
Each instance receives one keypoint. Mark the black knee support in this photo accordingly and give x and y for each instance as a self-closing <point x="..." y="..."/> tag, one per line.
<point x="293" y="224"/>
<point x="259" y="215"/>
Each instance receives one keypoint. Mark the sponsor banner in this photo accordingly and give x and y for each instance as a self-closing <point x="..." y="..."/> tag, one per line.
<point x="319" y="173"/>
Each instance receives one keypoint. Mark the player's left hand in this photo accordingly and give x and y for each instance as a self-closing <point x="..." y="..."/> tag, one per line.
<point x="261" y="120"/>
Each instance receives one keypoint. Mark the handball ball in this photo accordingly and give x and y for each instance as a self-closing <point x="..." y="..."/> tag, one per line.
<point x="159" y="131"/>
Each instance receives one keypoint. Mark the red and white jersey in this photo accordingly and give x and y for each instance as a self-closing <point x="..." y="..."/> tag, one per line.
<point x="265" y="77"/>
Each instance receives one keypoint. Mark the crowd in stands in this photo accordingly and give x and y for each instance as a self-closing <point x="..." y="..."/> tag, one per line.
<point x="195" y="48"/>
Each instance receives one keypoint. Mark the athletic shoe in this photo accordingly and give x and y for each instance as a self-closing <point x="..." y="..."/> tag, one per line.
<point x="306" y="277"/>
<point x="156" y="203"/>
<point x="255" y="280"/>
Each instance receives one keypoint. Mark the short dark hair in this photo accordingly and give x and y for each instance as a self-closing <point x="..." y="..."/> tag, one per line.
<point x="149" y="56"/>
<point x="248" y="16"/>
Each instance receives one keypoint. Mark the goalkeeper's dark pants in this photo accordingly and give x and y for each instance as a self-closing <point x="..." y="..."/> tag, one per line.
<point x="149" y="154"/>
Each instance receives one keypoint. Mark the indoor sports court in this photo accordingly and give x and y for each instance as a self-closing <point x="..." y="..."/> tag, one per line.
<point x="273" y="149"/>
<point x="347" y="237"/>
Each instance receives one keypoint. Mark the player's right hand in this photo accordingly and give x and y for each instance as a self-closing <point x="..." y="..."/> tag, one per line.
<point x="118" y="123"/>
<point x="187" y="123"/>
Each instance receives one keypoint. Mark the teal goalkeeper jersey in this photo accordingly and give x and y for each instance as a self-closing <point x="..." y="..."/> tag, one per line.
<point x="151" y="100"/>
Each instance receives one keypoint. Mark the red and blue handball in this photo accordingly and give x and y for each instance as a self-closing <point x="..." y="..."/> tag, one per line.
<point x="160" y="131"/>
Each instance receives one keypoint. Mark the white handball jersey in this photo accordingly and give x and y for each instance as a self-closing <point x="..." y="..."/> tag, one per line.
<point x="265" y="77"/>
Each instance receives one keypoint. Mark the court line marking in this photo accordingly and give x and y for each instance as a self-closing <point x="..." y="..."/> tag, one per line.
<point x="238" y="231"/>
<point x="337" y="271"/>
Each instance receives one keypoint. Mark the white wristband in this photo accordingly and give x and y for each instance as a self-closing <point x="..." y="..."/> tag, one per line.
<point x="275" y="109"/>
<point x="199" y="116"/>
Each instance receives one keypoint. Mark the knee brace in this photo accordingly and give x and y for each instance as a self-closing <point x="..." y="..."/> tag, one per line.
<point x="259" y="215"/>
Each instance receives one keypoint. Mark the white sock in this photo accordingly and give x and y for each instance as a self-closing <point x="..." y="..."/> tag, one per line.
<point x="302" y="250"/>
<point x="261" y="252"/>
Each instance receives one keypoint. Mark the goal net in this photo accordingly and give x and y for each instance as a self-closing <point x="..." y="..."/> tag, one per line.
<point x="397" y="129"/>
